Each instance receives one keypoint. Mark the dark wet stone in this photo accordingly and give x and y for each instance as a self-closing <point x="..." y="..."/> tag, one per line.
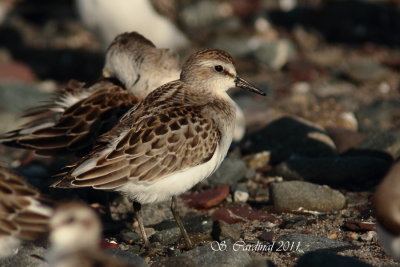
<point x="222" y="230"/>
<point x="180" y="261"/>
<point x="287" y="136"/>
<point x="292" y="195"/>
<point x="167" y="236"/>
<point x="307" y="243"/>
<point x="317" y="259"/>
<point x="128" y="257"/>
<point x="130" y="237"/>
<point x="385" y="145"/>
<point x="358" y="171"/>
<point x="206" y="256"/>
<point x="230" y="172"/>
<point x="261" y="263"/>
<point x="267" y="236"/>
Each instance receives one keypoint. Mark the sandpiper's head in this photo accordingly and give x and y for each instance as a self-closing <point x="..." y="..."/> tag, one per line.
<point x="215" y="69"/>
<point x="138" y="64"/>
<point x="74" y="226"/>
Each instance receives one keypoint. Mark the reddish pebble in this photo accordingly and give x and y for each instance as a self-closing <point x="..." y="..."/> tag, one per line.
<point x="207" y="198"/>
<point x="106" y="244"/>
<point x="15" y="71"/>
<point x="360" y="226"/>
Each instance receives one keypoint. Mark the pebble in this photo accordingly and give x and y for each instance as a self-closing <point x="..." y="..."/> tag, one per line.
<point x="360" y="226"/>
<point x="259" y="160"/>
<point x="267" y="236"/>
<point x="230" y="172"/>
<point x="277" y="137"/>
<point x="167" y="236"/>
<point x="206" y="198"/>
<point x="206" y="256"/>
<point x="313" y="243"/>
<point x="292" y="195"/>
<point x="318" y="259"/>
<point x="351" y="171"/>
<point x="223" y="230"/>
<point x="236" y="214"/>
<point x="13" y="71"/>
<point x="369" y="236"/>
<point x="240" y="196"/>
<point x="130" y="237"/>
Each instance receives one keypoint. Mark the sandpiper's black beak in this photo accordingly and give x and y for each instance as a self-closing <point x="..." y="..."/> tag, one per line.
<point x="248" y="86"/>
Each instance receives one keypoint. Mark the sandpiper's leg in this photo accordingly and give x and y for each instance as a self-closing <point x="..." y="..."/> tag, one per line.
<point x="138" y="214"/>
<point x="178" y="220"/>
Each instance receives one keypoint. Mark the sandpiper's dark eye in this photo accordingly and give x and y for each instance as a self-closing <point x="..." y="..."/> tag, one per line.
<point x="218" y="68"/>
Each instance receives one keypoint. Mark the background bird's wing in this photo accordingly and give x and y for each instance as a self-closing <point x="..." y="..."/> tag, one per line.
<point x="21" y="213"/>
<point x="147" y="147"/>
<point x="79" y="125"/>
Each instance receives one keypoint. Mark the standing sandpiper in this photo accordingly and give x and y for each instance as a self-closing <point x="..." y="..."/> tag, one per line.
<point x="175" y="138"/>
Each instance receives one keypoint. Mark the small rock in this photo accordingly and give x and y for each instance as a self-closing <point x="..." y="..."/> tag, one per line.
<point x="180" y="261"/>
<point x="128" y="257"/>
<point x="369" y="236"/>
<point x="240" y="196"/>
<point x="259" y="160"/>
<point x="292" y="195"/>
<point x="294" y="222"/>
<point x="236" y="214"/>
<point x="349" y="171"/>
<point x="206" y="256"/>
<point x="16" y="71"/>
<point x="277" y="137"/>
<point x="267" y="236"/>
<point x="166" y="237"/>
<point x="207" y="198"/>
<point x="360" y="226"/>
<point x="130" y="237"/>
<point x="223" y="230"/>
<point x="230" y="172"/>
<point x="313" y="243"/>
<point x="318" y="259"/>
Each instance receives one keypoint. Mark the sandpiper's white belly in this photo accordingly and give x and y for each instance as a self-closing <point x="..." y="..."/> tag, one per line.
<point x="174" y="184"/>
